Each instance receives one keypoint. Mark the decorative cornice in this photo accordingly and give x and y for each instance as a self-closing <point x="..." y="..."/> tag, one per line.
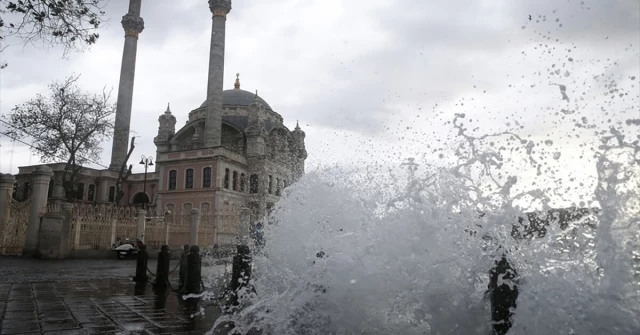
<point x="133" y="25"/>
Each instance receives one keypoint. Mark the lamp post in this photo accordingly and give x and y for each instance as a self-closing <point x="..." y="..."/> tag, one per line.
<point x="146" y="161"/>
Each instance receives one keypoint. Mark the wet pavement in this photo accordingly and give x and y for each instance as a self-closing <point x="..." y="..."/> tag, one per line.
<point x="95" y="297"/>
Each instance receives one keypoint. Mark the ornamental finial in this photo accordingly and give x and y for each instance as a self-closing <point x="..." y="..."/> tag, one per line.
<point x="236" y="86"/>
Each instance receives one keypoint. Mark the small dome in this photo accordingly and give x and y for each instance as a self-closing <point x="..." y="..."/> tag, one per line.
<point x="238" y="97"/>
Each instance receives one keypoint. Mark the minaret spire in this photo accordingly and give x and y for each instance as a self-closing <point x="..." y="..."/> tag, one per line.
<point x="213" y="121"/>
<point x="133" y="25"/>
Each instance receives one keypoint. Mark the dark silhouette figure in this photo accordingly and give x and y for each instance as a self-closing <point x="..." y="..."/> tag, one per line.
<point x="529" y="17"/>
<point x="503" y="293"/>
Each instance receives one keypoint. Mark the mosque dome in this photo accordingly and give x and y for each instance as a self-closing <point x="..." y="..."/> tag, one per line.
<point x="238" y="97"/>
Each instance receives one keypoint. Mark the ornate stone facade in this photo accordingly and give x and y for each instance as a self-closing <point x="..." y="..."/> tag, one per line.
<point x="258" y="157"/>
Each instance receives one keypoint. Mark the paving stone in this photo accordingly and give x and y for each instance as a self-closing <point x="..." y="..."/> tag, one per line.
<point x="19" y="327"/>
<point x="58" y="325"/>
<point x="20" y="315"/>
<point x="20" y="306"/>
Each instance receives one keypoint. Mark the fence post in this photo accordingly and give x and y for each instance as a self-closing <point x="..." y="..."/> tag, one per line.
<point x="195" y="225"/>
<point x="167" y="224"/>
<point x="6" y="187"/>
<point x="77" y="229"/>
<point x="142" y="216"/>
<point x="66" y="228"/>
<point x="41" y="177"/>
<point x="114" y="226"/>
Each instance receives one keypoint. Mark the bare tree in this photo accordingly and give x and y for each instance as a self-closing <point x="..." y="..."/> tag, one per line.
<point x="70" y="23"/>
<point x="69" y="125"/>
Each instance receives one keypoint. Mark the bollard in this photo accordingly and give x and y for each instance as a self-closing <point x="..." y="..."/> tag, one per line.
<point x="194" y="264"/>
<point x="183" y="264"/>
<point x="241" y="271"/>
<point x="141" y="264"/>
<point x="162" y="271"/>
<point x="503" y="297"/>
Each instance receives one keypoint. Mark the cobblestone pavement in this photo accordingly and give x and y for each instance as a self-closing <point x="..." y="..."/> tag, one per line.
<point x="93" y="297"/>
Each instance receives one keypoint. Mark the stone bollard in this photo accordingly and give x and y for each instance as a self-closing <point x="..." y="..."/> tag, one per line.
<point x="241" y="272"/>
<point x="162" y="271"/>
<point x="141" y="265"/>
<point x="183" y="264"/>
<point x="194" y="263"/>
<point x="503" y="296"/>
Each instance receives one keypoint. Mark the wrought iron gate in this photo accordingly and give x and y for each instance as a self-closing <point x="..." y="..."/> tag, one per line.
<point x="13" y="232"/>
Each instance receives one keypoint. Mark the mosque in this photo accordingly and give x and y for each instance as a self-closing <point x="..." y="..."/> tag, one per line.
<point x="234" y="150"/>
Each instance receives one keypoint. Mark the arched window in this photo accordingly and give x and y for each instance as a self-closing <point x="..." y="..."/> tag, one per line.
<point x="253" y="183"/>
<point x="80" y="191"/>
<point x="235" y="181"/>
<point x="173" y="179"/>
<point x="140" y="198"/>
<point x="270" y="185"/>
<point x="206" y="177"/>
<point x="112" y="194"/>
<point x="205" y="208"/>
<point x="277" y="186"/>
<point x="188" y="181"/>
<point x="186" y="208"/>
<point x="284" y="184"/>
<point x="242" y="182"/>
<point x="226" y="178"/>
<point x="91" y="193"/>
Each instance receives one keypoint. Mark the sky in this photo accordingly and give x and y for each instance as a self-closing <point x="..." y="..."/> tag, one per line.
<point x="374" y="82"/>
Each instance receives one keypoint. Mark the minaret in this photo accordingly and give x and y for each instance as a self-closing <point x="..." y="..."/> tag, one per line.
<point x="213" y="121"/>
<point x="133" y="25"/>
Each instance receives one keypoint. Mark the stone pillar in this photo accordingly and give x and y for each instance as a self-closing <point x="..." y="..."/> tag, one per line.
<point x="195" y="225"/>
<point x="133" y="26"/>
<point x="6" y="188"/>
<point x="40" y="180"/>
<point x="103" y="190"/>
<point x="66" y="229"/>
<point x="50" y="239"/>
<point x="213" y="122"/>
<point x="58" y="188"/>
<point x="142" y="216"/>
<point x="114" y="226"/>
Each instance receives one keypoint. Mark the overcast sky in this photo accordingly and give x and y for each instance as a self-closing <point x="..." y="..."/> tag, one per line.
<point x="372" y="81"/>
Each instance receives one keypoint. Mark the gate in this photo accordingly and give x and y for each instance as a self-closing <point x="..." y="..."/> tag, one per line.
<point x="13" y="232"/>
<point x="227" y="228"/>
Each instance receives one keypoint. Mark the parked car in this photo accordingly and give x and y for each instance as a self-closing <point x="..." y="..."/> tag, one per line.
<point x="126" y="250"/>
